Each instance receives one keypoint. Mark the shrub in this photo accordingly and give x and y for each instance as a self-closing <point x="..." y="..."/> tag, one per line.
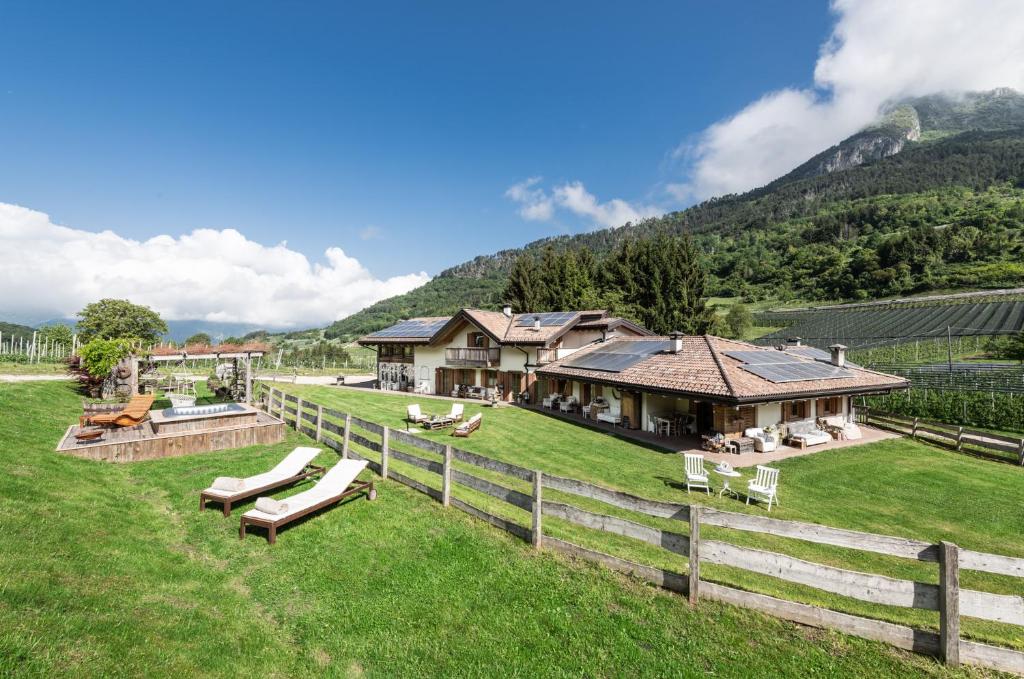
<point x="99" y="356"/>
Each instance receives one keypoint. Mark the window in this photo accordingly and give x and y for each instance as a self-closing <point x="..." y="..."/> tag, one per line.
<point x="830" y="406"/>
<point x="795" y="410"/>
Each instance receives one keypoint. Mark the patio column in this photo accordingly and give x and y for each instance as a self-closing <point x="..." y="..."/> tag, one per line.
<point x="248" y="378"/>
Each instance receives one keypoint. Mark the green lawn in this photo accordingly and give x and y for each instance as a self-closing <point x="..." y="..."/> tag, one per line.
<point x="110" y="570"/>
<point x="24" y="368"/>
<point x="895" y="487"/>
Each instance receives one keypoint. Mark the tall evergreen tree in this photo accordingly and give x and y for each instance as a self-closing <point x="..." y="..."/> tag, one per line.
<point x="523" y="288"/>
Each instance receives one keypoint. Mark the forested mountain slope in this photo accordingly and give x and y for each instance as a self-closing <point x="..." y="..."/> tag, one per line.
<point x="946" y="211"/>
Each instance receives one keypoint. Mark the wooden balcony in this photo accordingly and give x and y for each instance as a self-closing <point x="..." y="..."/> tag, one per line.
<point x="545" y="356"/>
<point x="473" y="356"/>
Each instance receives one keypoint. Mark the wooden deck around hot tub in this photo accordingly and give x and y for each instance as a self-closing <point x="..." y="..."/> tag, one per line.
<point x="141" y="442"/>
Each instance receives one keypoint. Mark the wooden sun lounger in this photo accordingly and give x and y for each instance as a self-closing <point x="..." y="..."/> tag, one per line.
<point x="134" y="412"/>
<point x="346" y="470"/>
<point x="295" y="466"/>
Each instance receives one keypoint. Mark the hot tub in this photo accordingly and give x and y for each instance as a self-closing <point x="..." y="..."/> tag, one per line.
<point x="198" y="418"/>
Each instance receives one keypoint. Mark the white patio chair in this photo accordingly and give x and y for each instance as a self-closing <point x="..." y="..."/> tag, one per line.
<point x="764" y="487"/>
<point x="413" y="414"/>
<point x="456" y="412"/>
<point x="696" y="475"/>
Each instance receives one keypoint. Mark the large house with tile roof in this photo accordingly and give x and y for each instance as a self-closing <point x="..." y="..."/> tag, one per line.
<point x="718" y="385"/>
<point x="486" y="353"/>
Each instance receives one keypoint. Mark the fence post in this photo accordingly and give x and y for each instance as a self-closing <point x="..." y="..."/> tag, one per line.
<point x="1020" y="453"/>
<point x="446" y="477"/>
<point x="385" y="444"/>
<point x="298" y="413"/>
<point x="344" y="441"/>
<point x="949" y="603"/>
<point x="913" y="432"/>
<point x="319" y="422"/>
<point x="536" y="534"/>
<point x="959" y="439"/>
<point x="694" y="587"/>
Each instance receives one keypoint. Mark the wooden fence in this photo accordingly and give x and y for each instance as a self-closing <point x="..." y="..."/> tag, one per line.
<point x="947" y="598"/>
<point x="1007" y="448"/>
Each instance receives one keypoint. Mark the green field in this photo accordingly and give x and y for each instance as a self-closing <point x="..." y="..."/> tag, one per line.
<point x="897" y="487"/>
<point x="110" y="570"/>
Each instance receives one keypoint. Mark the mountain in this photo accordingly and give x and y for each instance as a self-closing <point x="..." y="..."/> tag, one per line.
<point x="180" y="330"/>
<point x="12" y="331"/>
<point x="928" y="197"/>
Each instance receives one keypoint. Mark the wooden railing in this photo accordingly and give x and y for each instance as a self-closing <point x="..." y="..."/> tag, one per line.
<point x="947" y="598"/>
<point x="998" y="446"/>
<point x="473" y="356"/>
<point x="545" y="356"/>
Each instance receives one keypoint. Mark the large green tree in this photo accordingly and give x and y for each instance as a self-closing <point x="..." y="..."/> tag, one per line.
<point x="56" y="334"/>
<point x="522" y="291"/>
<point x="200" y="338"/>
<point x="119" y="318"/>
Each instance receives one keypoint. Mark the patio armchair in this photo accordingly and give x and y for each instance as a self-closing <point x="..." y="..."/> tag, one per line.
<point x="696" y="475"/>
<point x="764" y="442"/>
<point x="455" y="415"/>
<point x="764" y="486"/>
<point x="414" y="415"/>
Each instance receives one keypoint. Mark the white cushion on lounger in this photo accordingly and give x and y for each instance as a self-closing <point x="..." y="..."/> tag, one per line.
<point x="291" y="465"/>
<point x="331" y="485"/>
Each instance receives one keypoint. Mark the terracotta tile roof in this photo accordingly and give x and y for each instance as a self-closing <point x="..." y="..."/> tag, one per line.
<point x="515" y="330"/>
<point x="703" y="369"/>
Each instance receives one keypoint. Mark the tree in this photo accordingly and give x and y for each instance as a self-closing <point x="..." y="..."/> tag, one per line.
<point x="200" y="338"/>
<point x="232" y="340"/>
<point x="522" y="289"/>
<point x="1015" y="347"/>
<point x="119" y="318"/>
<point x="56" y="334"/>
<point x="738" y="320"/>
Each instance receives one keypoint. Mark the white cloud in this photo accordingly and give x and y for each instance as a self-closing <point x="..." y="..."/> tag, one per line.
<point x="537" y="204"/>
<point x="206" y="274"/>
<point x="370" y="232"/>
<point x="879" y="51"/>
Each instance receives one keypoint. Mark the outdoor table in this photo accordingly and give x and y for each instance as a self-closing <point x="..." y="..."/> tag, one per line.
<point x="725" y="481"/>
<point x="438" y="423"/>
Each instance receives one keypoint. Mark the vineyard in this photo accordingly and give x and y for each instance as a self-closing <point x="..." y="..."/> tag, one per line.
<point x="866" y="327"/>
<point x="1000" y="411"/>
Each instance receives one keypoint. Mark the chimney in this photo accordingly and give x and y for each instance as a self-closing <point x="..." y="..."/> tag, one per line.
<point x="536" y="323"/>
<point x="838" y="355"/>
<point x="507" y="310"/>
<point x="677" y="342"/>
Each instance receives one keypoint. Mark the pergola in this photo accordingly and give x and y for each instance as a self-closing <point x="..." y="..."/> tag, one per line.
<point x="222" y="352"/>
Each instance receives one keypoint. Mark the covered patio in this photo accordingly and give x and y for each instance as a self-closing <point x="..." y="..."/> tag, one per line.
<point x="693" y="443"/>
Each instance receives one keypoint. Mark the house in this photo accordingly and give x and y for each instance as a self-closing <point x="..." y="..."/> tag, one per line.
<point x="717" y="384"/>
<point x="486" y="353"/>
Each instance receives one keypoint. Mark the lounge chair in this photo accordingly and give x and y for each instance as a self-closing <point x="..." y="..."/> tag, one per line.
<point x="456" y="412"/>
<point x="469" y="426"/>
<point x="332" y="488"/>
<point x="292" y="469"/>
<point x="413" y="415"/>
<point x="134" y="412"/>
<point x="764" y="486"/>
<point x="696" y="475"/>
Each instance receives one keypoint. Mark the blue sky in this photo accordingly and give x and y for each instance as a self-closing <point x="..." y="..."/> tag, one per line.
<point x="368" y="126"/>
<point x="289" y="163"/>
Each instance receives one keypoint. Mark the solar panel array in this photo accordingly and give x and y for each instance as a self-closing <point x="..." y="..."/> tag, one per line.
<point x="546" y="319"/>
<point x="778" y="366"/>
<point x="617" y="356"/>
<point x="797" y="372"/>
<point x="412" y="328"/>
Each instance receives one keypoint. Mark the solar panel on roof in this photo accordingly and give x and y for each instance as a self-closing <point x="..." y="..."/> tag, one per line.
<point x="760" y="357"/>
<point x="411" y="328"/>
<point x="617" y="356"/>
<point x="550" y="318"/>
<point x="815" y="353"/>
<point x="796" y="372"/>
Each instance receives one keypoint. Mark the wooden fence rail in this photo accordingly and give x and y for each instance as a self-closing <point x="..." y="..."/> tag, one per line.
<point x="947" y="598"/>
<point x="949" y="435"/>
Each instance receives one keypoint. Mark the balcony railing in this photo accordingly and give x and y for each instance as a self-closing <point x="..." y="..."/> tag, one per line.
<point x="473" y="356"/>
<point x="545" y="356"/>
